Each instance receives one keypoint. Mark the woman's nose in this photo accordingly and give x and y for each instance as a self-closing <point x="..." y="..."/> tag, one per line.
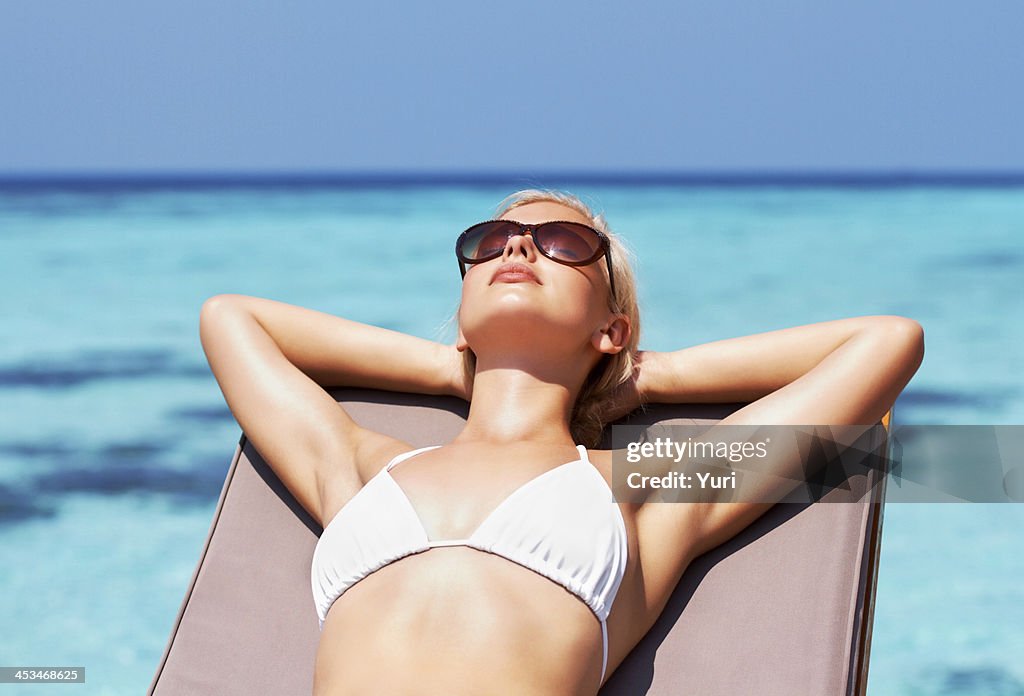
<point x="520" y="244"/>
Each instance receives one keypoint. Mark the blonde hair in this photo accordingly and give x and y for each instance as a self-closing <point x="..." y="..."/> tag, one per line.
<point x="596" y="395"/>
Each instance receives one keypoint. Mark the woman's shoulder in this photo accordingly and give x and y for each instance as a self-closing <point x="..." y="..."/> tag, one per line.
<point x="602" y="461"/>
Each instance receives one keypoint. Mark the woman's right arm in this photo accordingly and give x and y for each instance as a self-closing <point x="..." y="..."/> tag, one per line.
<point x="270" y="359"/>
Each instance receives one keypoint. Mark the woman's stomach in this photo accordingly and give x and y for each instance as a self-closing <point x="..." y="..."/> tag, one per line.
<point x="455" y="620"/>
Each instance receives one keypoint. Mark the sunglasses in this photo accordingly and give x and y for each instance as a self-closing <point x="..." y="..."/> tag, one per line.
<point x="568" y="243"/>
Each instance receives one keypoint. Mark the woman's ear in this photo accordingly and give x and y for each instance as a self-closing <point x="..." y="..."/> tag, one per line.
<point x="613" y="336"/>
<point x="460" y="343"/>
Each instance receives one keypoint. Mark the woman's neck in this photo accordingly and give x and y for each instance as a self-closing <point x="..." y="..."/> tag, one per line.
<point x="510" y="404"/>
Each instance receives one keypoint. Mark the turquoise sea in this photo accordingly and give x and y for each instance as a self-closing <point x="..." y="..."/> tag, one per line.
<point x="114" y="438"/>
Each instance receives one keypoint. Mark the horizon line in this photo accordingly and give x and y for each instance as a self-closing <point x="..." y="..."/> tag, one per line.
<point x="227" y="178"/>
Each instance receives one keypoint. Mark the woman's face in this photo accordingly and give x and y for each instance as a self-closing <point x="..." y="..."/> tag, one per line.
<point x="524" y="297"/>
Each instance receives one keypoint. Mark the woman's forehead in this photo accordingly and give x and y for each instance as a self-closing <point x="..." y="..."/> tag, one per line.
<point x="545" y="211"/>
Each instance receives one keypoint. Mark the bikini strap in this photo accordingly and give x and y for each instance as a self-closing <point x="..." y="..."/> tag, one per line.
<point x="408" y="455"/>
<point x="604" y="646"/>
<point x="583" y="453"/>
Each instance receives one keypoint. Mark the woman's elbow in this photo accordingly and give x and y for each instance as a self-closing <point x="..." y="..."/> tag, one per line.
<point x="213" y="312"/>
<point x="217" y="302"/>
<point x="909" y="333"/>
<point x="905" y="338"/>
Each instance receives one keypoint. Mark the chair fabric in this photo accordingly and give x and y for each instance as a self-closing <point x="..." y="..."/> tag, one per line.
<point x="783" y="608"/>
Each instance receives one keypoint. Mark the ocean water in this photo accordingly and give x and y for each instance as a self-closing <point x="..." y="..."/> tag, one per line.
<point x="114" y="439"/>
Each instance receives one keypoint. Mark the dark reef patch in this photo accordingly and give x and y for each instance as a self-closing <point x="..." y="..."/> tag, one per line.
<point x="952" y="398"/>
<point x="203" y="414"/>
<point x="19" y="506"/>
<point x="97" y="365"/>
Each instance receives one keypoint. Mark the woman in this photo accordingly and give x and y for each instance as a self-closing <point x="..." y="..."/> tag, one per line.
<point x="499" y="563"/>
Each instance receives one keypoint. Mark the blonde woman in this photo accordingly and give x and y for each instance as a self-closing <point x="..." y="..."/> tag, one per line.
<point x="500" y="563"/>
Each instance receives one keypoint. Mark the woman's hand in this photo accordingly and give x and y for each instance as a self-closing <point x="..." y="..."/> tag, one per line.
<point x="451" y="361"/>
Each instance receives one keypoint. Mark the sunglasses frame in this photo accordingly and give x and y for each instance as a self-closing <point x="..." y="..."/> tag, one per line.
<point x="604" y="249"/>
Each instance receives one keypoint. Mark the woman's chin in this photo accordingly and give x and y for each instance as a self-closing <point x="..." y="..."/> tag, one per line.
<point x="534" y="333"/>
<point x="519" y="310"/>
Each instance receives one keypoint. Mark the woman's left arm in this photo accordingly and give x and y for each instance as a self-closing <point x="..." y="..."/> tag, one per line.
<point x="847" y="371"/>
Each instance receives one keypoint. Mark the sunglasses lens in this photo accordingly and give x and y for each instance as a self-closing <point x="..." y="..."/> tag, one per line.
<point x="486" y="240"/>
<point x="568" y="242"/>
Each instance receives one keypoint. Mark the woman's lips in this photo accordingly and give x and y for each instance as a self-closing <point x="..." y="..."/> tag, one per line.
<point x="514" y="277"/>
<point x="514" y="273"/>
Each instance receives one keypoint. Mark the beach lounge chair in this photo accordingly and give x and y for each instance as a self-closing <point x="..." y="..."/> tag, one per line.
<point x="783" y="608"/>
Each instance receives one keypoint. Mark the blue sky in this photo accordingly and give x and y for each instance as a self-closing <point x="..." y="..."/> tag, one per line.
<point x="531" y="86"/>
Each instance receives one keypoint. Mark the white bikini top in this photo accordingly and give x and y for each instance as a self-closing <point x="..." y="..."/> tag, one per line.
<point x="563" y="524"/>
